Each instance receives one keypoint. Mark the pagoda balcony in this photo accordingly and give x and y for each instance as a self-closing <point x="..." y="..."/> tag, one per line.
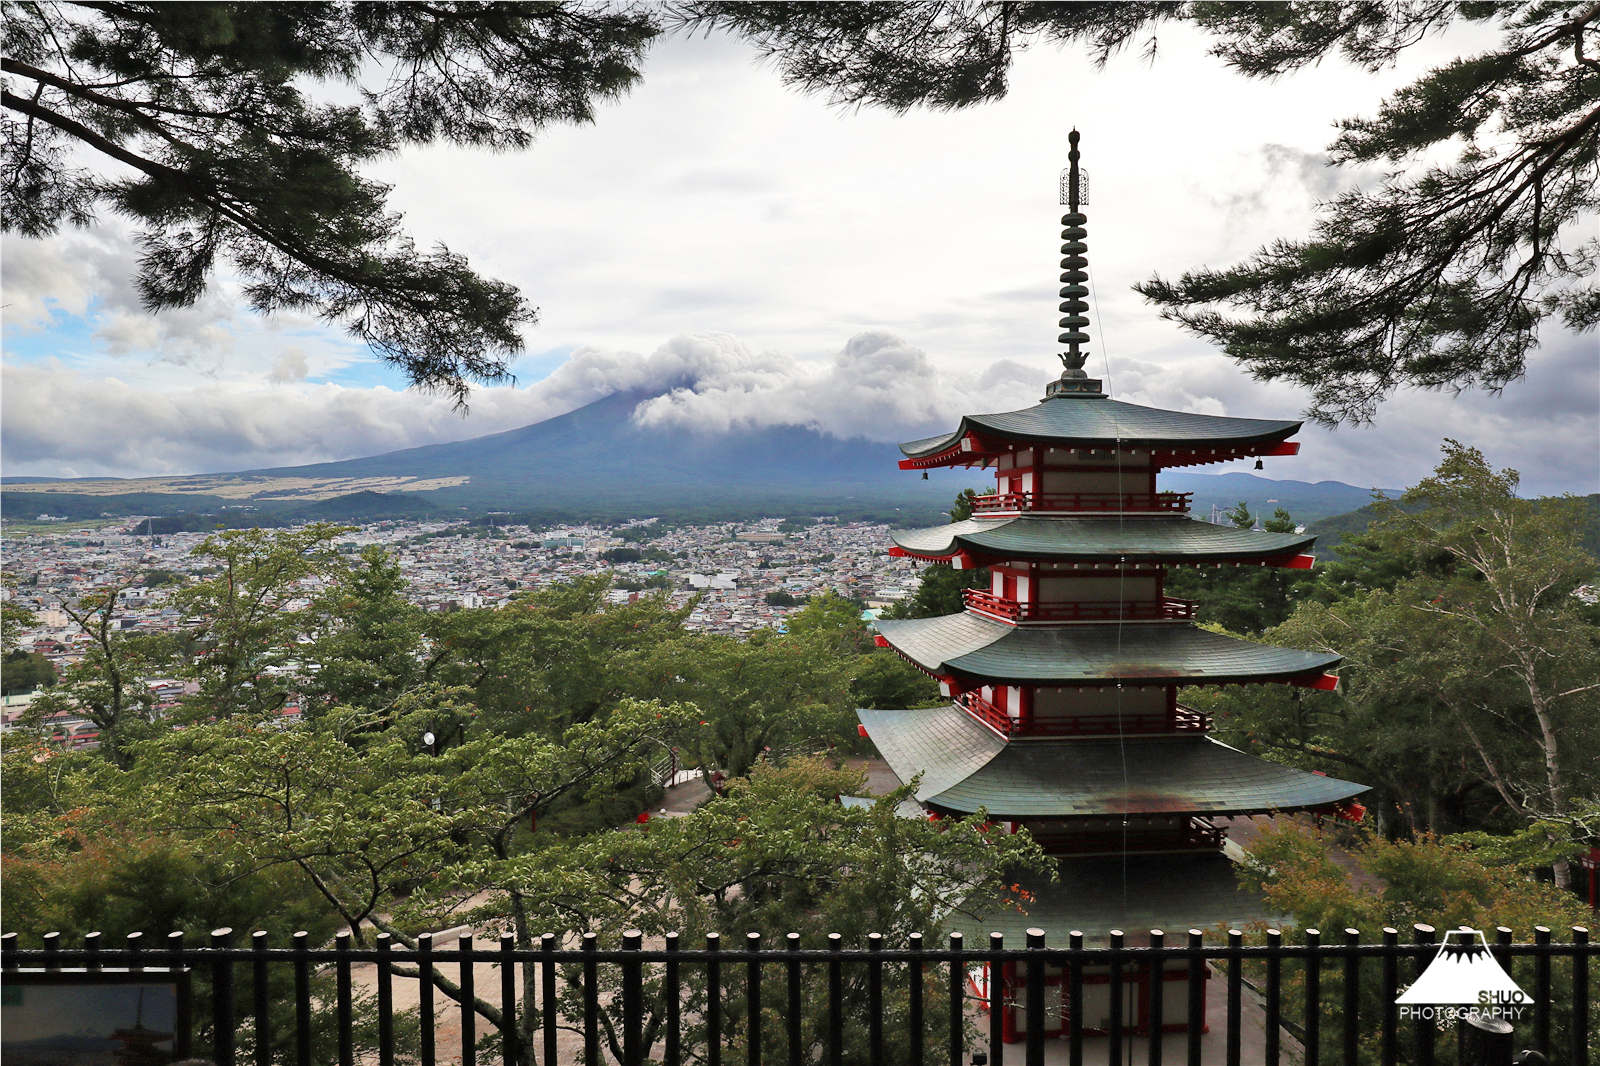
<point x="1117" y="502"/>
<point x="1184" y="720"/>
<point x="1002" y="609"/>
<point x="1191" y="834"/>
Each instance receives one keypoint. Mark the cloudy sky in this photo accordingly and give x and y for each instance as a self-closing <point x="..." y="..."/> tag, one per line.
<point x="759" y="257"/>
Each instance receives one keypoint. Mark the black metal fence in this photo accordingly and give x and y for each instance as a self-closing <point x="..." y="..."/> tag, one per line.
<point x="1335" y="997"/>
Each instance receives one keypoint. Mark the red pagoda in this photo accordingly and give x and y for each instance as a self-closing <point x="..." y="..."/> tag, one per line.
<point x="1063" y="676"/>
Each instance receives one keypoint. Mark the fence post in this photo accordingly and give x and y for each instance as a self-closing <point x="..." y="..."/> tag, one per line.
<point x="1421" y="1028"/>
<point x="1390" y="1044"/>
<point x="958" y="1012"/>
<point x="1197" y="994"/>
<point x="341" y="968"/>
<point x="263" y="999"/>
<point x="135" y="943"/>
<point x="1114" y="1038"/>
<point x="385" y="1003"/>
<point x="469" y="1014"/>
<point x="713" y="1001"/>
<point x="1484" y="1041"/>
<point x="874" y="998"/>
<point x="1352" y="994"/>
<point x="1156" y="1020"/>
<point x="671" y="989"/>
<point x="547" y="998"/>
<point x="1541" y="991"/>
<point x="1235" y="996"/>
<point x="222" y="997"/>
<point x="302" y="1000"/>
<point x="835" y="1000"/>
<point x="91" y="944"/>
<point x="632" y="998"/>
<point x="591" y="1002"/>
<point x="1035" y="997"/>
<point x="1272" y="1026"/>
<point x="796" y="1048"/>
<point x="1313" y="1023"/>
<point x="509" y="1041"/>
<point x="914" y="981"/>
<point x="997" y="1000"/>
<point x="1580" y="996"/>
<point x="8" y="949"/>
<point x="425" y="1017"/>
<point x="753" y="995"/>
<point x="52" y="944"/>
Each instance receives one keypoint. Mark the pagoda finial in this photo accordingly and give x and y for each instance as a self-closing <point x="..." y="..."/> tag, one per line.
<point x="1074" y="193"/>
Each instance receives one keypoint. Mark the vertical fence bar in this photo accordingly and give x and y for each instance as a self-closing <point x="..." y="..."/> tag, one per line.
<point x="835" y="1001"/>
<point x="341" y="966"/>
<point x="632" y="999"/>
<point x="997" y="1001"/>
<point x="1197" y="994"/>
<point x="1114" y="1037"/>
<point x="508" y="1000"/>
<point x="796" y="1048"/>
<point x="8" y="953"/>
<point x="1156" y="1019"/>
<point x="713" y="1001"/>
<point x="175" y="948"/>
<point x="262" y="1033"/>
<point x="1580" y="996"/>
<point x="547" y="998"/>
<point x="1313" y="1004"/>
<point x="302" y="1000"/>
<point x="591" y="1001"/>
<point x="52" y="944"/>
<point x="91" y="944"/>
<point x="958" y="1014"/>
<point x="469" y="993"/>
<point x="135" y="944"/>
<point x="425" y="997"/>
<point x="1034" y="993"/>
<point x="1272" y="1000"/>
<point x="385" y="982"/>
<point x="918" y="1039"/>
<point x="1541" y="991"/>
<point x="1389" y="1041"/>
<point x="1350" y="1027"/>
<point x="222" y="997"/>
<point x="1075" y="998"/>
<point x="670" y="983"/>
<point x="874" y="997"/>
<point x="1421" y="1029"/>
<point x="752" y="979"/>
<point x="1235" y="996"/>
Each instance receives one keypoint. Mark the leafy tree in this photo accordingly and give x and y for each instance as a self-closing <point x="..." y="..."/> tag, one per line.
<point x="780" y="599"/>
<point x="369" y="644"/>
<point x="107" y="685"/>
<point x="22" y="671"/>
<point x="14" y="617"/>
<point x="1441" y="276"/>
<point x="777" y="854"/>
<point x="1242" y="599"/>
<point x="1423" y="881"/>
<point x="254" y="612"/>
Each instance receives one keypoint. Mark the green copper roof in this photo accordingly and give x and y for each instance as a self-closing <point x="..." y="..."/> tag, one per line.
<point x="1147" y="538"/>
<point x="1094" y="895"/>
<point x="1086" y="777"/>
<point x="1159" y="652"/>
<point x="1080" y="421"/>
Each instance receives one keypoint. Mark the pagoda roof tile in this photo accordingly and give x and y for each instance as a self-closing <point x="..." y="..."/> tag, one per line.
<point x="1139" y="652"/>
<point x="1086" y="777"/>
<point x="1141" y="538"/>
<point x="1097" y="423"/>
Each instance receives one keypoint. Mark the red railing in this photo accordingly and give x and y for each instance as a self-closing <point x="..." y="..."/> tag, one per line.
<point x="1193" y="833"/>
<point x="1083" y="501"/>
<point x="1091" y="611"/>
<point x="1184" y="720"/>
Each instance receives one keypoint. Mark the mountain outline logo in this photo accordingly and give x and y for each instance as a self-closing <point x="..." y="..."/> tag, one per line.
<point x="1464" y="974"/>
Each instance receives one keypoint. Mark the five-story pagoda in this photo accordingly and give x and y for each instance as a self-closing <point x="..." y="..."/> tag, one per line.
<point x="1064" y="676"/>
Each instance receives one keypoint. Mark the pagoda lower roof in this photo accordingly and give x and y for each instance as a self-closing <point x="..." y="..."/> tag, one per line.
<point x="1095" y="422"/>
<point x="1135" y="538"/>
<point x="965" y="766"/>
<point x="1161" y="653"/>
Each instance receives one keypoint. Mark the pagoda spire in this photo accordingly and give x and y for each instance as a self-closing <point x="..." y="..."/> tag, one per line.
<point x="1074" y="305"/>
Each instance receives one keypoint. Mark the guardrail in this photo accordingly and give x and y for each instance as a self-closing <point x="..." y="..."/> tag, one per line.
<point x="1083" y="501"/>
<point x="706" y="1002"/>
<point x="1081" y="611"/>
